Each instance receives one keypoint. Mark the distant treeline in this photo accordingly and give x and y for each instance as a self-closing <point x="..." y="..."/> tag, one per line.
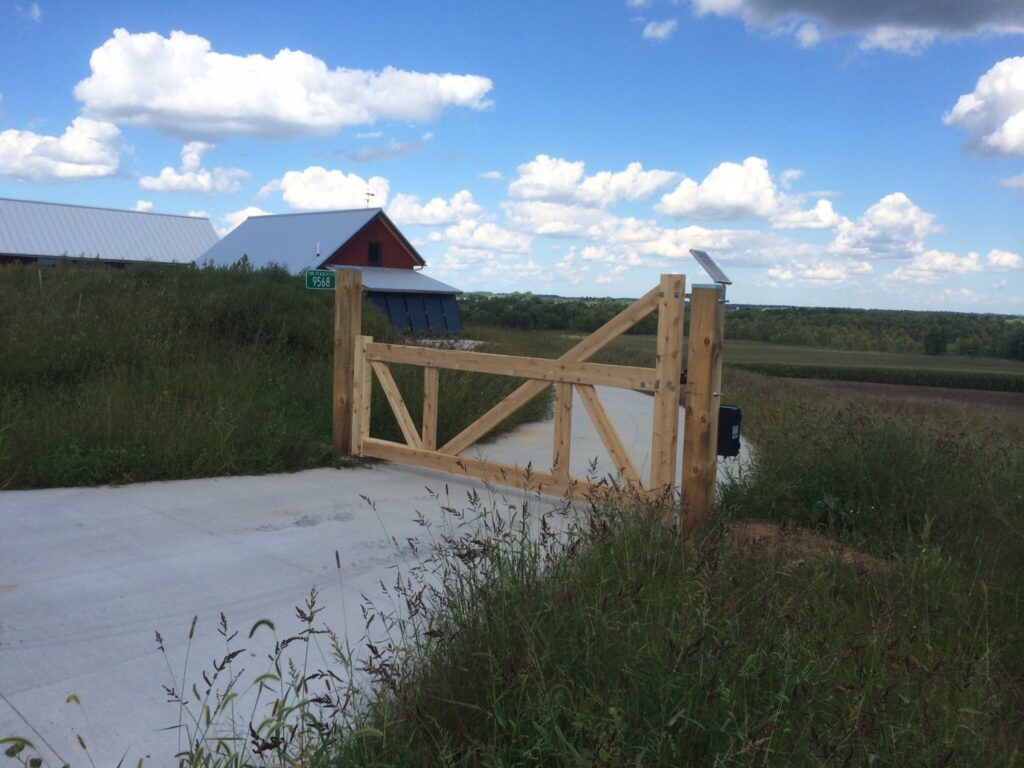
<point x="869" y="330"/>
<point x="879" y="330"/>
<point x="528" y="312"/>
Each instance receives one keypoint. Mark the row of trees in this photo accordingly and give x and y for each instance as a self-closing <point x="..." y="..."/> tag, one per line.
<point x="871" y="330"/>
<point x="877" y="330"/>
<point x="528" y="312"/>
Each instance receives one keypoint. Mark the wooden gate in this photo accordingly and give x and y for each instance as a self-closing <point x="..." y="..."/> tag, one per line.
<point x="358" y="358"/>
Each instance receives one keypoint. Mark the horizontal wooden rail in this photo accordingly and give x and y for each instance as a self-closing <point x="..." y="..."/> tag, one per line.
<point x="536" y="368"/>
<point x="488" y="471"/>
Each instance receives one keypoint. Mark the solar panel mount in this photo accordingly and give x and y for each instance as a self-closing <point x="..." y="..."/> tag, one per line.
<point x="709" y="266"/>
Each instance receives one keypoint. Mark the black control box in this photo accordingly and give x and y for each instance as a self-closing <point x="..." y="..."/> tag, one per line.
<point x="729" y="418"/>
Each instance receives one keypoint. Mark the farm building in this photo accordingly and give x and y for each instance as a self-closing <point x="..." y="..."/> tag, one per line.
<point x="364" y="239"/>
<point x="45" y="233"/>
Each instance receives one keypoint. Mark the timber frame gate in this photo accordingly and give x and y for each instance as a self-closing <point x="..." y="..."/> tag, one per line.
<point x="358" y="358"/>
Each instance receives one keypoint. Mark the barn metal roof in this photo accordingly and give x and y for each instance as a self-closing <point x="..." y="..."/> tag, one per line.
<point x="293" y="240"/>
<point x="400" y="281"/>
<point x="29" y="228"/>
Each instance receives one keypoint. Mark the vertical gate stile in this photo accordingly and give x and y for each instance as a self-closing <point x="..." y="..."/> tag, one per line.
<point x="665" y="432"/>
<point x="364" y="422"/>
<point x="348" y="302"/>
<point x="563" y="430"/>
<point x="360" y="393"/>
<point x="703" y="377"/>
<point x="430" y="397"/>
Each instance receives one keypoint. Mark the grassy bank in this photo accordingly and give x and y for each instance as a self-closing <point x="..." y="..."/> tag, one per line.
<point x="602" y="640"/>
<point x="619" y="647"/>
<point x="114" y="376"/>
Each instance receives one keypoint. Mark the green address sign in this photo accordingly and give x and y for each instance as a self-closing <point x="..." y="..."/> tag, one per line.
<point x="320" y="279"/>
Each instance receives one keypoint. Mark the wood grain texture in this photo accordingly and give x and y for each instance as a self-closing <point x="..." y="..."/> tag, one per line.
<point x="595" y="342"/>
<point x="430" y="398"/>
<point x="538" y="368"/>
<point x="488" y="471"/>
<point x="609" y="435"/>
<point x="563" y="431"/>
<point x="703" y="370"/>
<point x="360" y="393"/>
<point x="348" y="307"/>
<point x="394" y="396"/>
<point x="669" y="366"/>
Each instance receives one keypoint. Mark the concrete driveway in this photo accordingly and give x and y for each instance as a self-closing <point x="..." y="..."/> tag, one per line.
<point x="87" y="575"/>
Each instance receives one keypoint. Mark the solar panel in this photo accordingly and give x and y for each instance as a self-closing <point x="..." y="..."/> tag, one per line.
<point x="451" y="314"/>
<point x="417" y="312"/>
<point x="435" y="314"/>
<point x="709" y="266"/>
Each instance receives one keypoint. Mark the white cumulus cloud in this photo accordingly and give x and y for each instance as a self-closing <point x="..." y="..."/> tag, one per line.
<point x="487" y="236"/>
<point x="1014" y="182"/>
<point x="540" y="217"/>
<point x="192" y="177"/>
<point x="821" y="216"/>
<point x="86" y="149"/>
<point x="558" y="180"/>
<point x="407" y="209"/>
<point x="893" y="227"/>
<point x="933" y="265"/>
<point x="993" y="113"/>
<point x="317" y="188"/>
<point x="730" y="191"/>
<point x="660" y="30"/>
<point x="179" y="85"/>
<point x="235" y="218"/>
<point x="145" y="206"/>
<point x="1004" y="260"/>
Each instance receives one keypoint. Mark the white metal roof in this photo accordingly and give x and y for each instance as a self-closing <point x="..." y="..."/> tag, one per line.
<point x="29" y="228"/>
<point x="296" y="241"/>
<point x="399" y="281"/>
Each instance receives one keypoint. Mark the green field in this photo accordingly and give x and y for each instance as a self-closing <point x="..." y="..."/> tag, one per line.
<point x="995" y="374"/>
<point x="741" y="352"/>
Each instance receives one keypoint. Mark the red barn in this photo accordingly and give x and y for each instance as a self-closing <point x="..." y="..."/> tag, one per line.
<point x="365" y="239"/>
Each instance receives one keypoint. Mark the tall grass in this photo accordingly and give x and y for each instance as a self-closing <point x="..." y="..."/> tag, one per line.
<point x="113" y="376"/>
<point x="626" y="648"/>
<point x="958" y="379"/>
<point x="598" y="638"/>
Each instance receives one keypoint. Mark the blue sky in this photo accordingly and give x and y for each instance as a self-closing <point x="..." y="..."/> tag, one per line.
<point x="864" y="154"/>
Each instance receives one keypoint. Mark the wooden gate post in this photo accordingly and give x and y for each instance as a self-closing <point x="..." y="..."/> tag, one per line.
<point x="669" y="364"/>
<point x="348" y="321"/>
<point x="703" y="383"/>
